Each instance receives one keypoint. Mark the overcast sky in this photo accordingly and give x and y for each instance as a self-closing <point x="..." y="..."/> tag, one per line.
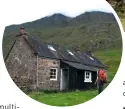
<point x="20" y="11"/>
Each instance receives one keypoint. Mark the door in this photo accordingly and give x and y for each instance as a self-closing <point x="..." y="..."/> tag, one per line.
<point x="64" y="79"/>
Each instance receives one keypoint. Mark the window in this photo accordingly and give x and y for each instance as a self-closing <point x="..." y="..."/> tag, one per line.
<point x="51" y="48"/>
<point x="91" y="58"/>
<point x="53" y="74"/>
<point x="88" y="76"/>
<point x="70" y="52"/>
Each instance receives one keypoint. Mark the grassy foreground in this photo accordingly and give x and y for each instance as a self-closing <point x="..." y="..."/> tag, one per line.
<point x="64" y="98"/>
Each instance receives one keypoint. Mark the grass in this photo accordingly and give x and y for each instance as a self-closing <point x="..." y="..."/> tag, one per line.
<point x="64" y="98"/>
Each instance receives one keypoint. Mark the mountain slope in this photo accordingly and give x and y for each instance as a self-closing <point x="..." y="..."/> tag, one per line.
<point x="89" y="31"/>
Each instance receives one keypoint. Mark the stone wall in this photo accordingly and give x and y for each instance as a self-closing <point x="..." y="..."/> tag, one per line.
<point x="44" y="66"/>
<point x="21" y="64"/>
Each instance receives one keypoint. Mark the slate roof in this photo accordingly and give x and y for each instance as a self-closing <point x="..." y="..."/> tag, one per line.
<point x="61" y="53"/>
<point x="80" y="66"/>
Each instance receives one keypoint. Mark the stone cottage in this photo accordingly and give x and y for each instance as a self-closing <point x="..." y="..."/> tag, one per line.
<point x="34" y="65"/>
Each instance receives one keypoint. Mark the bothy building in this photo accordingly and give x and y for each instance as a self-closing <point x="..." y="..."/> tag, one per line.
<point x="34" y="65"/>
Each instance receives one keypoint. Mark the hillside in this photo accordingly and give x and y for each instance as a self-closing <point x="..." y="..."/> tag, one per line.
<point x="123" y="23"/>
<point x="89" y="31"/>
<point x="122" y="17"/>
<point x="119" y="7"/>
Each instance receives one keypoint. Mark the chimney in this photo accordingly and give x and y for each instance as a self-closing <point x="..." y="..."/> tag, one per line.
<point x="23" y="33"/>
<point x="76" y="48"/>
<point x="89" y="53"/>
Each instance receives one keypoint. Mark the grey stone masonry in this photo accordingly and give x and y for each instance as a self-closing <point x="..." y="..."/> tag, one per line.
<point x="44" y="81"/>
<point x="21" y="64"/>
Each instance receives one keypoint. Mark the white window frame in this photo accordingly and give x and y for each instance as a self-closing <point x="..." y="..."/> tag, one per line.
<point x="89" y="80"/>
<point x="53" y="79"/>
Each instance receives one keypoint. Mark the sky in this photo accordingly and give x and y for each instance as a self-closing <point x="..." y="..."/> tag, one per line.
<point x="21" y="11"/>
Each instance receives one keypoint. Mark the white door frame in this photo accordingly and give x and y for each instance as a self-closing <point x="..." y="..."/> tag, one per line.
<point x="61" y="80"/>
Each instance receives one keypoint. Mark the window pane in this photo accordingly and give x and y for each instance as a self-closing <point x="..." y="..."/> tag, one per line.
<point x="54" y="70"/>
<point x="51" y="73"/>
<point x="54" y="73"/>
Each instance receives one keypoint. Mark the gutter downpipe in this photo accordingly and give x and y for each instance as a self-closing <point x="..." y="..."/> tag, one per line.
<point x="37" y="75"/>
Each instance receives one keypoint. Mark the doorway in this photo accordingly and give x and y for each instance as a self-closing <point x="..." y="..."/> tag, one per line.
<point x="64" y="79"/>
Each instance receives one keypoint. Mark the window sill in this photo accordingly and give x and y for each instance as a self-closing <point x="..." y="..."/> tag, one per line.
<point x="88" y="81"/>
<point x="53" y="79"/>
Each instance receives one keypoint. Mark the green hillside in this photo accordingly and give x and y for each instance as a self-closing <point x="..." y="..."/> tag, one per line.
<point x="123" y="22"/>
<point x="111" y="58"/>
<point x="90" y="31"/>
<point x="122" y="17"/>
<point x="120" y="9"/>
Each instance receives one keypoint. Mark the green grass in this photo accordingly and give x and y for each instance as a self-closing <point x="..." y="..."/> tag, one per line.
<point x="64" y="98"/>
